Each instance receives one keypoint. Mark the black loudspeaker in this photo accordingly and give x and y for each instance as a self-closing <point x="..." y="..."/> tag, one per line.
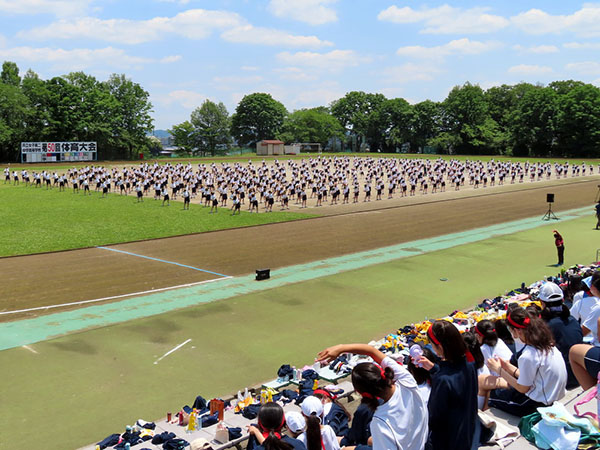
<point x="550" y="198"/>
<point x="263" y="274"/>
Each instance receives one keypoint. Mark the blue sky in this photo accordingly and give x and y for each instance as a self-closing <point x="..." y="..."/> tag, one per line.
<point x="303" y="52"/>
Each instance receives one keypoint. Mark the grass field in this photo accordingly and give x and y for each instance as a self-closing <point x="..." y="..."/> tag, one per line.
<point x="37" y="220"/>
<point x="88" y="385"/>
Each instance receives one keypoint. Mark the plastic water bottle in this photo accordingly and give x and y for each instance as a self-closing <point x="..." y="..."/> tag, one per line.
<point x="415" y="353"/>
<point x="294" y="373"/>
<point x="127" y="446"/>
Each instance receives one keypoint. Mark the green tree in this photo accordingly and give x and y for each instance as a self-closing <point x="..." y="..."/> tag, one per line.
<point x="401" y="119"/>
<point x="311" y="125"/>
<point x="10" y="74"/>
<point x="184" y="137"/>
<point x="578" y="121"/>
<point x="534" y="122"/>
<point x="36" y="90"/>
<point x="466" y="116"/>
<point x="14" y="108"/>
<point x="131" y="117"/>
<point x="364" y="116"/>
<point x="426" y="125"/>
<point x="258" y="116"/>
<point x="212" y="126"/>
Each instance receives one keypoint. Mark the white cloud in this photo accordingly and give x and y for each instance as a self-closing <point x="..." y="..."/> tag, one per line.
<point x="589" y="68"/>
<point x="295" y="74"/>
<point x="527" y="69"/>
<point x="333" y="60"/>
<point x="312" y="12"/>
<point x="55" y="7"/>
<point x="411" y="72"/>
<point x="582" y="45"/>
<point x="446" y="19"/>
<point x="320" y="95"/>
<point x="170" y="59"/>
<point x="75" y="59"/>
<point x="537" y="49"/>
<point x="249" y="34"/>
<point x="187" y="99"/>
<point x="457" y="47"/>
<point x="193" y="24"/>
<point x="584" y="22"/>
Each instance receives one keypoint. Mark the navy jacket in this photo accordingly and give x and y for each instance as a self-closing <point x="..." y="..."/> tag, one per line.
<point x="452" y="406"/>
<point x="566" y="332"/>
<point x="337" y="419"/>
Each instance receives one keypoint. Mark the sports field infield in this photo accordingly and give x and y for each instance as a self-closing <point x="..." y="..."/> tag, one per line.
<point x="87" y="385"/>
<point x="36" y="220"/>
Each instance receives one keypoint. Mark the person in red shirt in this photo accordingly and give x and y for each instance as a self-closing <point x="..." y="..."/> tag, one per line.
<point x="560" y="247"/>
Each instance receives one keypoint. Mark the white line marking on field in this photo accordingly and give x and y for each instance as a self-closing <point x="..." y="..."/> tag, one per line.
<point x="172" y="350"/>
<point x="151" y="291"/>
<point x="27" y="347"/>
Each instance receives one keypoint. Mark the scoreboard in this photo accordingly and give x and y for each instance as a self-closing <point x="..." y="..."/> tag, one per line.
<point x="32" y="152"/>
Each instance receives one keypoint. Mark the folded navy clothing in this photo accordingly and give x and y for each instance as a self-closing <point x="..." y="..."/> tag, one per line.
<point x="175" y="444"/>
<point x="310" y="374"/>
<point x="234" y="433"/>
<point x="209" y="420"/>
<point x="285" y="371"/>
<point x="146" y="425"/>
<point x="129" y="437"/>
<point x="109" y="441"/>
<point x="340" y="359"/>
<point x="162" y="438"/>
<point x="289" y="394"/>
<point x="200" y="404"/>
<point x="251" y="411"/>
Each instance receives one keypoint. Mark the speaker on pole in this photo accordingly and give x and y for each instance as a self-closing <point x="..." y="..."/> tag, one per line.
<point x="550" y="198"/>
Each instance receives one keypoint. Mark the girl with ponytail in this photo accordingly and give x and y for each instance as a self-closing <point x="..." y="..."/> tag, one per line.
<point x="317" y="436"/>
<point x="541" y="375"/>
<point x="453" y="400"/>
<point x="268" y="433"/>
<point x="400" y="415"/>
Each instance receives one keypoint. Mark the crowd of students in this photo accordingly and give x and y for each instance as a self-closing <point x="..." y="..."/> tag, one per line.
<point x="525" y="357"/>
<point x="323" y="180"/>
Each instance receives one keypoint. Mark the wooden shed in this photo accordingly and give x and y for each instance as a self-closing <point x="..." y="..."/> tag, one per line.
<point x="269" y="147"/>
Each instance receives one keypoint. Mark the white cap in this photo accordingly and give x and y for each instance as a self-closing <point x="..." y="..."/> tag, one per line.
<point x="295" y="421"/>
<point x="312" y="405"/>
<point x="550" y="293"/>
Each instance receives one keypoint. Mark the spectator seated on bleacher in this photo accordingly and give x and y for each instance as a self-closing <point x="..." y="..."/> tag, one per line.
<point x="268" y="434"/>
<point x="541" y="377"/>
<point x="334" y="413"/>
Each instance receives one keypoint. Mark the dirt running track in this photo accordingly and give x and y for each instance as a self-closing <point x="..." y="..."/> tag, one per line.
<point x="48" y="279"/>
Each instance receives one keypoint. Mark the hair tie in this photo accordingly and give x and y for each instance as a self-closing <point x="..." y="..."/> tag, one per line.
<point x="325" y="393"/>
<point x="518" y="325"/>
<point x="367" y="395"/>
<point x="469" y="356"/>
<point x="432" y="336"/>
<point x="477" y="330"/>
<point x="381" y="370"/>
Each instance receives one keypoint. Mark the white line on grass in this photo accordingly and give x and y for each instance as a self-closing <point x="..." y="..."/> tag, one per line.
<point x="151" y="291"/>
<point x="27" y="347"/>
<point x="172" y="350"/>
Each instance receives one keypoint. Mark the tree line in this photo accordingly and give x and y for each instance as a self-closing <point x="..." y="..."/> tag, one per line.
<point x="561" y="119"/>
<point x="75" y="107"/>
